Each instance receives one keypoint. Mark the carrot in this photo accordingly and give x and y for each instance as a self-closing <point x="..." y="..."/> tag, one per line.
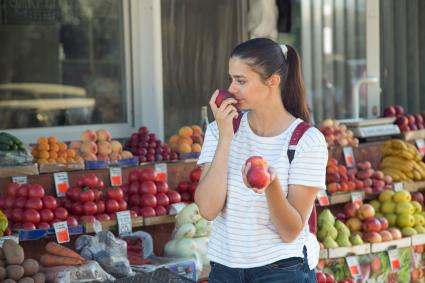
<point x="48" y="260"/>
<point x="56" y="249"/>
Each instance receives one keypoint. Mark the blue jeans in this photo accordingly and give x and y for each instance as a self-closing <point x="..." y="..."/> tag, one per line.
<point x="294" y="269"/>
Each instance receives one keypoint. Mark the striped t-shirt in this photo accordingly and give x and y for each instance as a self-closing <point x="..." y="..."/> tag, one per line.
<point x="243" y="235"/>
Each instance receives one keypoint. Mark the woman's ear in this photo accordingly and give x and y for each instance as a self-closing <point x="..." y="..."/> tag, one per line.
<point x="274" y="81"/>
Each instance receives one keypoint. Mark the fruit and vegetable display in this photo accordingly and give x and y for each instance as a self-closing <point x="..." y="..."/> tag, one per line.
<point x="148" y="148"/>
<point x="189" y="139"/>
<point x="405" y="121"/>
<point x="337" y="134"/>
<point x="187" y="188"/>
<point x="50" y="150"/>
<point x="13" y="151"/>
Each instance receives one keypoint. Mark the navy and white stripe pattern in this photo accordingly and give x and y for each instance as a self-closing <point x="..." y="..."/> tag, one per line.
<point x="242" y="234"/>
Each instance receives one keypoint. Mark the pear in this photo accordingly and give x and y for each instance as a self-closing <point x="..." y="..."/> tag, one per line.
<point x="386" y="195"/>
<point x="419" y="220"/>
<point x="329" y="243"/>
<point x="408" y="231"/>
<point x="342" y="228"/>
<point x="420" y="229"/>
<point x="404" y="208"/>
<point x="343" y="241"/>
<point x="356" y="240"/>
<point x="405" y="220"/>
<point x="326" y="215"/>
<point x="376" y="204"/>
<point x="388" y="207"/>
<point x="327" y="230"/>
<point x="417" y="206"/>
<point x="402" y="196"/>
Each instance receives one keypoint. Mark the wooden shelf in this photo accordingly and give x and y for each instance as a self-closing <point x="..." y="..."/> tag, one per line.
<point x="112" y="224"/>
<point x="413" y="135"/>
<point x="347" y="251"/>
<point x="384" y="246"/>
<point x="158" y="220"/>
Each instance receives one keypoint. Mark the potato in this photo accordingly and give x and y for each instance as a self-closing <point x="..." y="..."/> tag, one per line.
<point x="39" y="278"/>
<point x="3" y="273"/>
<point x="30" y="267"/>
<point x="9" y="281"/>
<point x="1" y="253"/>
<point x="2" y="263"/>
<point x="26" y="280"/>
<point x="13" y="252"/>
<point x="15" y="272"/>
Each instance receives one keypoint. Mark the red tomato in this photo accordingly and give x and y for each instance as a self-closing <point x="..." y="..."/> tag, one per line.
<point x="20" y="202"/>
<point x="112" y="206"/>
<point x="162" y="199"/>
<point x="9" y="202"/>
<point x="100" y="184"/>
<point x="147" y="187"/>
<point x="97" y="194"/>
<point x="90" y="180"/>
<point x="147" y="174"/>
<point x="46" y="215"/>
<point x="160" y="210"/>
<point x="17" y="214"/>
<point x="182" y="187"/>
<point x="122" y="205"/>
<point x="2" y="201"/>
<point x="147" y="212"/>
<point x="36" y="191"/>
<point x="100" y="206"/>
<point x="34" y="203"/>
<point x="113" y="216"/>
<point x="61" y="213"/>
<point x="133" y="213"/>
<point x="161" y="186"/>
<point x="89" y="208"/>
<point x="77" y="208"/>
<point x="148" y="201"/>
<point x="134" y="188"/>
<point x="49" y="202"/>
<point x="136" y="209"/>
<point x="103" y="217"/>
<point x="8" y="213"/>
<point x="192" y="187"/>
<point x="86" y="196"/>
<point x="124" y="189"/>
<point x="186" y="196"/>
<point x="28" y="226"/>
<point x="195" y="174"/>
<point x="135" y="200"/>
<point x="134" y="176"/>
<point x="74" y="194"/>
<point x="115" y="193"/>
<point x="43" y="225"/>
<point x="23" y="190"/>
<point x="174" y="196"/>
<point x="72" y="221"/>
<point x="31" y="215"/>
<point x="12" y="189"/>
<point x="87" y="218"/>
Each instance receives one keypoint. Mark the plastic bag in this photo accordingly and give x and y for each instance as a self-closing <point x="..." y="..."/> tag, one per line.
<point x="88" y="272"/>
<point x="15" y="158"/>
<point x="110" y="252"/>
<point x="139" y="247"/>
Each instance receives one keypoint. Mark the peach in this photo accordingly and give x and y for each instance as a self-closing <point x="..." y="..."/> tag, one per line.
<point x="41" y="140"/>
<point x="61" y="160"/>
<point x="196" y="130"/>
<point x="186" y="131"/>
<point x="196" y="147"/>
<point x="116" y="146"/>
<point x="185" y="140"/>
<point x="256" y="161"/>
<point x="174" y="139"/>
<point x="104" y="147"/>
<point x="89" y="135"/>
<point x="332" y="162"/>
<point x="258" y="177"/>
<point x="62" y="146"/>
<point x="103" y="157"/>
<point x="79" y="159"/>
<point x="184" y="148"/>
<point x="52" y="140"/>
<point x="88" y="147"/>
<point x="89" y="156"/>
<point x="197" y="139"/>
<point x="54" y="147"/>
<point x="103" y="135"/>
<point x="126" y="154"/>
<point x="115" y="156"/>
<point x="75" y="145"/>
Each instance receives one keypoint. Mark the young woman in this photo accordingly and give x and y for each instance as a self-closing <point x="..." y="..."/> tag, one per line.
<point x="261" y="234"/>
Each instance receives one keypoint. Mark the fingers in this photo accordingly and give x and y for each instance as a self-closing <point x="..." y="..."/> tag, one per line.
<point x="212" y="100"/>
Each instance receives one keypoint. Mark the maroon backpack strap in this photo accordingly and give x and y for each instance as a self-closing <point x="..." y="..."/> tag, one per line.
<point x="295" y="138"/>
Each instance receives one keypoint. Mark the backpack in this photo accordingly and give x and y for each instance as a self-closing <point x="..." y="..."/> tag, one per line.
<point x="295" y="138"/>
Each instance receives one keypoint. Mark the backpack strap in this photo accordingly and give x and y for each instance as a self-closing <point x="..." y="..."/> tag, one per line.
<point x="295" y="138"/>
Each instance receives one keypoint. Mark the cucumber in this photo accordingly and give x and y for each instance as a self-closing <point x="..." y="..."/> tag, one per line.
<point x="4" y="139"/>
<point x="4" y="147"/>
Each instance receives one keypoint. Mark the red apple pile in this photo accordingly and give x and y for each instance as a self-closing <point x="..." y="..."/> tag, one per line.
<point x="258" y="175"/>
<point x="362" y="220"/>
<point x="406" y="122"/>
<point x="27" y="207"/>
<point x="89" y="201"/>
<point x="187" y="188"/>
<point x="323" y="277"/>
<point x="148" y="147"/>
<point x="374" y="181"/>
<point x="337" y="134"/>
<point x="147" y="195"/>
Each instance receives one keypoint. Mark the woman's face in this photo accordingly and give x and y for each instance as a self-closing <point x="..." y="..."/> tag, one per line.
<point x="246" y="85"/>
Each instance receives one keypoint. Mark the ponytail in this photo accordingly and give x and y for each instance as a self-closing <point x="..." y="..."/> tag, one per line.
<point x="293" y="89"/>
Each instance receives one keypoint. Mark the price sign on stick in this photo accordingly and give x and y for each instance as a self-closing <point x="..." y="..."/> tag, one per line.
<point x="61" y="231"/>
<point x="116" y="176"/>
<point x="61" y="183"/>
<point x="349" y="157"/>
<point x="394" y="259"/>
<point x="20" y="180"/>
<point x="353" y="266"/>
<point x="124" y="222"/>
<point x="161" y="172"/>
<point x="357" y="198"/>
<point x="323" y="198"/>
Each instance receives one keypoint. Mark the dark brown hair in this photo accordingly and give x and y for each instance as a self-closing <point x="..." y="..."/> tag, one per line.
<point x="266" y="58"/>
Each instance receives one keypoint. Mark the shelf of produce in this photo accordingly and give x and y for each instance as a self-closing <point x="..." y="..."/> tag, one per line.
<point x="157" y="220"/>
<point x="23" y="170"/>
<point x="347" y="251"/>
<point x="113" y="224"/>
<point x="418" y="239"/>
<point x="384" y="246"/>
<point x="413" y="135"/>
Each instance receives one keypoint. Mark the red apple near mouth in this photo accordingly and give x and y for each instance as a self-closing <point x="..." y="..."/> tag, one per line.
<point x="223" y="95"/>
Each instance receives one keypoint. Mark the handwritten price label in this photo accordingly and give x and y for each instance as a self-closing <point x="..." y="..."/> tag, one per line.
<point x="61" y="231"/>
<point x="350" y="162"/>
<point x="357" y="198"/>
<point x="116" y="176"/>
<point x="124" y="222"/>
<point x="61" y="183"/>
<point x="399" y="186"/>
<point x="353" y="266"/>
<point x="19" y="180"/>
<point x="420" y="144"/>
<point x="161" y="172"/>
<point x="394" y="259"/>
<point x="323" y="198"/>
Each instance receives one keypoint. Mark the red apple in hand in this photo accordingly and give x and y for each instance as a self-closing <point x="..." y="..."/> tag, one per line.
<point x="223" y="95"/>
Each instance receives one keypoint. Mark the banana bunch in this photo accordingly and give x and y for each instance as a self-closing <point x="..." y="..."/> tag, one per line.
<point x="402" y="161"/>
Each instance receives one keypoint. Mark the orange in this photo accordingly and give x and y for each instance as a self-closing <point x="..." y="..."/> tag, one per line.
<point x="174" y="139"/>
<point x="54" y="147"/>
<point x="43" y="146"/>
<point x="186" y="140"/>
<point x="79" y="159"/>
<point x="186" y="131"/>
<point x="70" y="160"/>
<point x="70" y="153"/>
<point x="42" y="161"/>
<point x="41" y="140"/>
<point x="34" y="153"/>
<point x="43" y="154"/>
<point x="196" y="130"/>
<point x="62" y="154"/>
<point x="184" y="148"/>
<point x="53" y="154"/>
<point x="196" y="147"/>
<point x="34" y="147"/>
<point x="52" y="161"/>
<point x="52" y="140"/>
<point x="62" y="146"/>
<point x="61" y="160"/>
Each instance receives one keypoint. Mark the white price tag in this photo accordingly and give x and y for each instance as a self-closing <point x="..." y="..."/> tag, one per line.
<point x="357" y="198"/>
<point x="97" y="226"/>
<point x="353" y="266"/>
<point x="394" y="259"/>
<point x="399" y="186"/>
<point x="417" y="258"/>
<point x="323" y="198"/>
<point x="420" y="144"/>
<point x="116" y="176"/>
<point x="61" y="183"/>
<point x="14" y="238"/>
<point x="124" y="222"/>
<point x="350" y="162"/>
<point x="61" y="231"/>
<point x="161" y="172"/>
<point x="20" y="180"/>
